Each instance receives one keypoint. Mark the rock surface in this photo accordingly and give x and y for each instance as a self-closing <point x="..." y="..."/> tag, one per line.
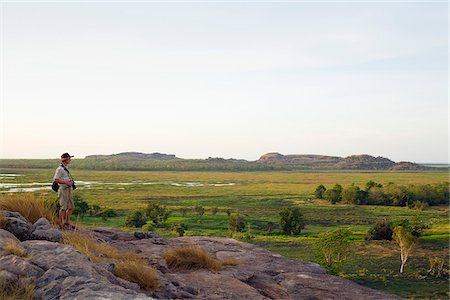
<point x="61" y="272"/>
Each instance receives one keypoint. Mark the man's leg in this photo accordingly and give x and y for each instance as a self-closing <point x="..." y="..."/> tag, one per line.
<point x="68" y="213"/>
<point x="62" y="215"/>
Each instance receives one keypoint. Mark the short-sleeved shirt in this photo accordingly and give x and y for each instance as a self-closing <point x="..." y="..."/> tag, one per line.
<point x="61" y="174"/>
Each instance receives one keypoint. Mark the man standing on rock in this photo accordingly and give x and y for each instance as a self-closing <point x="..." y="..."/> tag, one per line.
<point x="66" y="185"/>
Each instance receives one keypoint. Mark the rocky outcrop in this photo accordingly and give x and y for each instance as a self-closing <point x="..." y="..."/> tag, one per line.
<point x="24" y="230"/>
<point x="132" y="156"/>
<point x="353" y="162"/>
<point x="61" y="272"/>
<point x="307" y="160"/>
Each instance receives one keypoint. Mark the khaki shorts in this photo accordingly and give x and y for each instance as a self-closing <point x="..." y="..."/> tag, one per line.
<point x="65" y="198"/>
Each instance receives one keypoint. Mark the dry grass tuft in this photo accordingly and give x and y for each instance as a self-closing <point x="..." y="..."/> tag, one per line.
<point x="21" y="289"/>
<point x="129" y="265"/>
<point x="28" y="206"/>
<point x="193" y="257"/>
<point x="137" y="271"/>
<point x="2" y="221"/>
<point x="14" y="248"/>
<point x="96" y="251"/>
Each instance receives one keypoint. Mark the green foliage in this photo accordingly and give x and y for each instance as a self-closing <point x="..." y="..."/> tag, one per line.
<point x="94" y="210"/>
<point x="334" y="246"/>
<point x="354" y="195"/>
<point x="405" y="239"/>
<point x="136" y="219"/>
<point x="372" y="184"/>
<point x="437" y="267"/>
<point x="334" y="195"/>
<point x="382" y="230"/>
<point x="291" y="220"/>
<point x="81" y="206"/>
<point x="149" y="226"/>
<point x="236" y="223"/>
<point x="179" y="228"/>
<point x="320" y="191"/>
<point x="106" y="213"/>
<point x="157" y="213"/>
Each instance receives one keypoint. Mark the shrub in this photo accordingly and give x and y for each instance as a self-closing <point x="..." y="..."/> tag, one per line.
<point x="94" y="210"/>
<point x="236" y="223"/>
<point x="179" y="228"/>
<point x="291" y="221"/>
<point x="107" y="213"/>
<point x="382" y="230"/>
<point x="81" y="206"/>
<point x="334" y="245"/>
<point x="437" y="267"/>
<point x="194" y="257"/>
<point x="149" y="226"/>
<point x="320" y="191"/>
<point x="333" y="195"/>
<point x="14" y="248"/>
<point x="158" y="214"/>
<point x="29" y="207"/>
<point x="138" y="272"/>
<point x="136" y="218"/>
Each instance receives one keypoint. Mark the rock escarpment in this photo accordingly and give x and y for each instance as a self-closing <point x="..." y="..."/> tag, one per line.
<point x="353" y="162"/>
<point x="60" y="271"/>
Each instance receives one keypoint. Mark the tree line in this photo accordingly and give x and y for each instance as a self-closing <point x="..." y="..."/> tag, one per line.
<point x="375" y="193"/>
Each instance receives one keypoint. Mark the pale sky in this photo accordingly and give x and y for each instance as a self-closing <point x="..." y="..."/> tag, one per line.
<point x="232" y="80"/>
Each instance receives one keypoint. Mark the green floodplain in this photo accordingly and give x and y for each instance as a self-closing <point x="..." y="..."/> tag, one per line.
<point x="258" y="197"/>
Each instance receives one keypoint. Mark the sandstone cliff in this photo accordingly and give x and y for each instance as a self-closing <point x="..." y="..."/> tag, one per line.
<point x="353" y="162"/>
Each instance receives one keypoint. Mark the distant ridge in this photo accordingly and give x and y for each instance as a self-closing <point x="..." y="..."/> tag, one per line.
<point x="273" y="161"/>
<point x="132" y="156"/>
<point x="353" y="162"/>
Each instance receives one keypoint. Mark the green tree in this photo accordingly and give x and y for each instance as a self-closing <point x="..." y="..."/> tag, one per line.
<point x="291" y="220"/>
<point x="405" y="239"/>
<point x="371" y="184"/>
<point x="333" y="195"/>
<point x="157" y="213"/>
<point x="136" y="219"/>
<point x="334" y="245"/>
<point x="320" y="191"/>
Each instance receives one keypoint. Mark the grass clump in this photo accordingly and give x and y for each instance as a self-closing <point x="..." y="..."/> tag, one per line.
<point x="194" y="257"/>
<point x="16" y="289"/>
<point x="14" y="248"/>
<point x="86" y="245"/>
<point x="138" y="272"/>
<point x="129" y="266"/>
<point x="28" y="206"/>
<point x="3" y="221"/>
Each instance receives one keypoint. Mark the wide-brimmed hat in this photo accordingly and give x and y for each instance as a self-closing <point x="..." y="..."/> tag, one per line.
<point x="66" y="156"/>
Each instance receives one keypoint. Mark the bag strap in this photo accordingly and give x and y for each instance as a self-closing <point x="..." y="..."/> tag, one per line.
<point x="65" y="169"/>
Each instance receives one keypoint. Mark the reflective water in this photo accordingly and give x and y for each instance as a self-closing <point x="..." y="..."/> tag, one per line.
<point x="36" y="186"/>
